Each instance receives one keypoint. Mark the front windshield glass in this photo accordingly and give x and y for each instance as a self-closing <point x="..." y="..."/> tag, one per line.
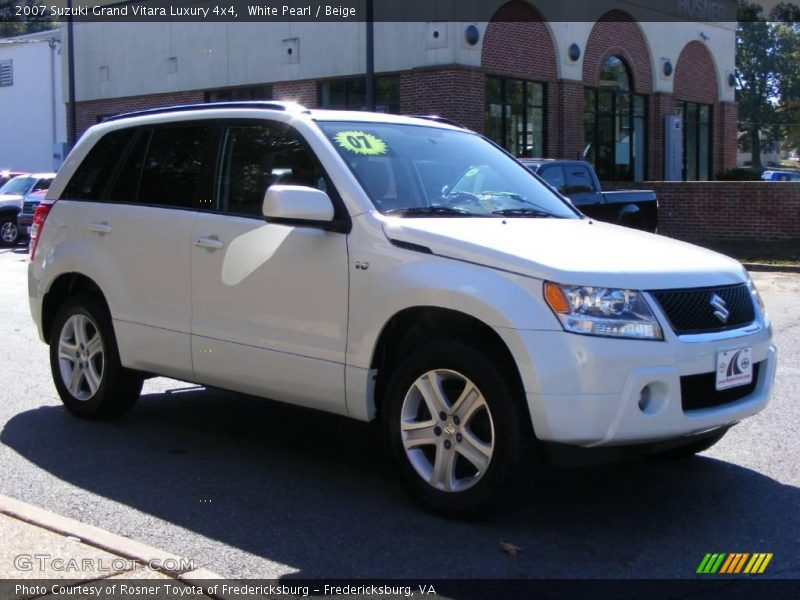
<point x="18" y="186"/>
<point x="413" y="170"/>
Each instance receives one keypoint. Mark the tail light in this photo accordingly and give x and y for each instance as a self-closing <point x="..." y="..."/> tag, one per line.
<point x="39" y="216"/>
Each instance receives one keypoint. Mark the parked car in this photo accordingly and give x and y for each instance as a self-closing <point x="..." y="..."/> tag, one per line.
<point x="25" y="216"/>
<point x="780" y="176"/>
<point x="577" y="180"/>
<point x="12" y="194"/>
<point x="6" y="175"/>
<point x="400" y="269"/>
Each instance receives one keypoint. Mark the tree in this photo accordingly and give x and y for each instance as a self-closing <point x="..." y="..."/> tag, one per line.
<point x="786" y="21"/>
<point x="757" y="77"/>
<point x="12" y="24"/>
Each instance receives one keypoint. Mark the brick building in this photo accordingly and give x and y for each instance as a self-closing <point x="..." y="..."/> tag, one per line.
<point x="530" y="77"/>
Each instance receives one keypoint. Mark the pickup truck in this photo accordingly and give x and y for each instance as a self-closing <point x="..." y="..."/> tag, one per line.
<point x="577" y="180"/>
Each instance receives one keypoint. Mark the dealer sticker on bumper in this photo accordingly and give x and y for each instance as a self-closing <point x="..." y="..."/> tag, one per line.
<point x="734" y="368"/>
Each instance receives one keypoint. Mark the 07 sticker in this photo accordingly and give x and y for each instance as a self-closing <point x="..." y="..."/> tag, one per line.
<point x="361" y="142"/>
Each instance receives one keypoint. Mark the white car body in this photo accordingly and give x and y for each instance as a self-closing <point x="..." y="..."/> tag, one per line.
<point x="295" y="313"/>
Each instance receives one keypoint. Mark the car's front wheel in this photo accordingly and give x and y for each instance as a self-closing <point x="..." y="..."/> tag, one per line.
<point x="85" y="362"/>
<point x="9" y="231"/>
<point x="456" y="427"/>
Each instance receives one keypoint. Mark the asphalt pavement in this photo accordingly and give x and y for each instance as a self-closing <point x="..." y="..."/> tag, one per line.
<point x="251" y="488"/>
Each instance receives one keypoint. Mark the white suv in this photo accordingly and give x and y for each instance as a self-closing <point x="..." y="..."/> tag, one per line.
<point x="385" y="267"/>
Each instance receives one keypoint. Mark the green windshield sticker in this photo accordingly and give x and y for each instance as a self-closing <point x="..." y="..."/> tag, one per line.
<point x="471" y="172"/>
<point x="361" y="142"/>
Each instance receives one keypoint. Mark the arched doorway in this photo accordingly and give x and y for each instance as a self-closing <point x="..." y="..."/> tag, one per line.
<point x="519" y="61"/>
<point x="696" y="96"/>
<point x="615" y="124"/>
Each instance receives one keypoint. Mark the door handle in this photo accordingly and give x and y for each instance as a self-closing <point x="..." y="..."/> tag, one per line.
<point x="209" y="243"/>
<point x="100" y="227"/>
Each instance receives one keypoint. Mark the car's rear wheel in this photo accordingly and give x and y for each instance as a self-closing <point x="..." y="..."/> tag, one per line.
<point x="456" y="427"/>
<point x="9" y="232"/>
<point x="85" y="362"/>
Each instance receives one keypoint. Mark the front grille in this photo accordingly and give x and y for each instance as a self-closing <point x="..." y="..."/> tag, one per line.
<point x="29" y="206"/>
<point x="699" y="391"/>
<point x="690" y="311"/>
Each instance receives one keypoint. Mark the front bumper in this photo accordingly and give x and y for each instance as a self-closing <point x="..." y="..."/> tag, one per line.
<point x="586" y="391"/>
<point x="24" y="223"/>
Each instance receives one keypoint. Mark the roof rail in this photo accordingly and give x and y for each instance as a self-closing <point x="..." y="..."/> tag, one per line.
<point x="439" y="119"/>
<point x="262" y="104"/>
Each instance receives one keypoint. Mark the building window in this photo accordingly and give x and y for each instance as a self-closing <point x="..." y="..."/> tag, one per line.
<point x="242" y="94"/>
<point x="351" y="94"/>
<point x="6" y="73"/>
<point x="515" y="115"/>
<point x="696" y="140"/>
<point x="615" y="125"/>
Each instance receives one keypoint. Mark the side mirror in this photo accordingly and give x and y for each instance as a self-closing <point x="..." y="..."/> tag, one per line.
<point x="297" y="205"/>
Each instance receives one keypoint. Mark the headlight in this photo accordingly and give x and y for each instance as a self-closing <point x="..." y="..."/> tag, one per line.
<point x="602" y="311"/>
<point x="757" y="297"/>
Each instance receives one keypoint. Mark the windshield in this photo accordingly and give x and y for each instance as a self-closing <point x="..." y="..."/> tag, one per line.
<point x="18" y="185"/>
<point x="413" y="170"/>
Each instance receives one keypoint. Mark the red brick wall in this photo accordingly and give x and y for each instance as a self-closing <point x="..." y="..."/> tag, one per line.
<point x="302" y="92"/>
<point x="616" y="33"/>
<point x="565" y="116"/>
<point x="725" y="128"/>
<point x="87" y="112"/>
<point x="453" y="92"/>
<point x="736" y="210"/>
<point x="517" y="43"/>
<point x="695" y="75"/>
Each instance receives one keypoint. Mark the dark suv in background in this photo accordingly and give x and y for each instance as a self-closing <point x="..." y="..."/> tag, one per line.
<point x="12" y="196"/>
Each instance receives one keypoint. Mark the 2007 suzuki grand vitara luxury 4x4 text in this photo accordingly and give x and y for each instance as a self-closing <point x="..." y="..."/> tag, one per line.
<point x="384" y="267"/>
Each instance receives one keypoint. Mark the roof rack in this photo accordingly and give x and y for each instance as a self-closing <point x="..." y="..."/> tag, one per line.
<point x="264" y="105"/>
<point x="439" y="119"/>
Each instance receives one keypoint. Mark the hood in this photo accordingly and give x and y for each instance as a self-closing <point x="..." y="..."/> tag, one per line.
<point x="570" y="251"/>
<point x="7" y="200"/>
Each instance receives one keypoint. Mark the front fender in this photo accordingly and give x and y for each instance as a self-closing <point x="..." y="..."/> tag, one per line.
<point x="386" y="279"/>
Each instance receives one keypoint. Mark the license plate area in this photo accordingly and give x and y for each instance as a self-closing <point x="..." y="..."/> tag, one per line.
<point x="734" y="368"/>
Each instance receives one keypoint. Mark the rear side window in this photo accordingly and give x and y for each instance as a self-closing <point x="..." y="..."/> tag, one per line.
<point x="578" y="180"/>
<point x="256" y="156"/>
<point x="126" y="187"/>
<point x="42" y="184"/>
<point x="174" y="165"/>
<point x="96" y="170"/>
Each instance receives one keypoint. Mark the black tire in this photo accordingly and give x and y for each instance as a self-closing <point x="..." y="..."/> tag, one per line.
<point x="692" y="448"/>
<point x="116" y="388"/>
<point x="9" y="231"/>
<point x="510" y="427"/>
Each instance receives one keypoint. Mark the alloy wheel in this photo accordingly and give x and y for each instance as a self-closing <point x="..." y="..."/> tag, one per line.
<point x="80" y="356"/>
<point x="8" y="232"/>
<point x="447" y="430"/>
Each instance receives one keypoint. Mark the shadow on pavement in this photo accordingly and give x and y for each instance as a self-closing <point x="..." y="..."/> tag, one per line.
<point x="317" y="492"/>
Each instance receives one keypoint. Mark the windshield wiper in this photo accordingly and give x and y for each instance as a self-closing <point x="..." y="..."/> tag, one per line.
<point x="421" y="211"/>
<point x="524" y="212"/>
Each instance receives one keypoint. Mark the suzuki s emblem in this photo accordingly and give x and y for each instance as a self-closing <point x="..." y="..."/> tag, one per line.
<point x="722" y="312"/>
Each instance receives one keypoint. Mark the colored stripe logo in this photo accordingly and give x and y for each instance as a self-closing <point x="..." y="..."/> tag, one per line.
<point x="734" y="563"/>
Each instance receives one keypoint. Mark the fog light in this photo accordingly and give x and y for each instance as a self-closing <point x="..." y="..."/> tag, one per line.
<point x="645" y="399"/>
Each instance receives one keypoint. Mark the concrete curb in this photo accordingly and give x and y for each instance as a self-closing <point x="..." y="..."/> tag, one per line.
<point x="767" y="268"/>
<point x="103" y="540"/>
